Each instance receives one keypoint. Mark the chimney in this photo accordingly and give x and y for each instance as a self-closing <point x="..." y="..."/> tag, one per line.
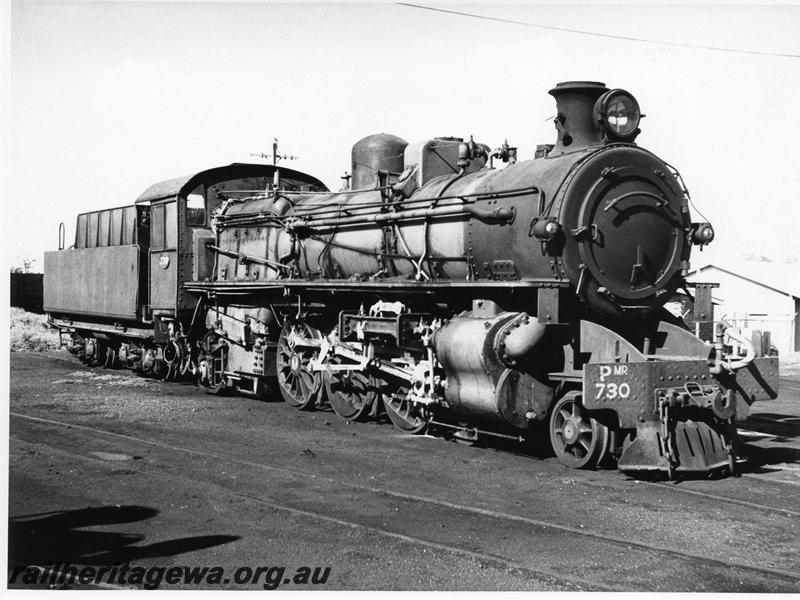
<point x="574" y="102"/>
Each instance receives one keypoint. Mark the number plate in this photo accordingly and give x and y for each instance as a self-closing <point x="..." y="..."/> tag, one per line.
<point x="628" y="388"/>
<point x="613" y="383"/>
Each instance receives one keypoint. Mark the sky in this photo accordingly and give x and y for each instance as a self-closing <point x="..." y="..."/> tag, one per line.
<point x="107" y="98"/>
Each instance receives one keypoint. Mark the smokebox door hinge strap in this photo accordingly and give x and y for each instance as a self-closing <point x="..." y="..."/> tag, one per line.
<point x="638" y="266"/>
<point x="586" y="231"/>
<point x="582" y="280"/>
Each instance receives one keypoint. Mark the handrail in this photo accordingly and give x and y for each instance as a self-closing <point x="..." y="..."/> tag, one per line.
<point x="720" y="363"/>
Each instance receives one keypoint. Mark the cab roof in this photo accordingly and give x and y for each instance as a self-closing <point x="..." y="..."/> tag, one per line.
<point x="184" y="185"/>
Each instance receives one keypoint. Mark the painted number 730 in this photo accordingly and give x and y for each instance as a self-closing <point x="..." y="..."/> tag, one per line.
<point x="610" y="391"/>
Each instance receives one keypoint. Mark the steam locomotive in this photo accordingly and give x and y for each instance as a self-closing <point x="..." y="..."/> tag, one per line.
<point x="454" y="293"/>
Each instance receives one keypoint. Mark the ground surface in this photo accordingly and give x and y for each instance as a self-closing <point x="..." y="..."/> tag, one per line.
<point x="107" y="468"/>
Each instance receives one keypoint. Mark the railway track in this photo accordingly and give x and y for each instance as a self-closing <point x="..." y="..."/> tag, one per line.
<point x="543" y="531"/>
<point x="717" y="498"/>
<point x="481" y="556"/>
<point x="666" y="486"/>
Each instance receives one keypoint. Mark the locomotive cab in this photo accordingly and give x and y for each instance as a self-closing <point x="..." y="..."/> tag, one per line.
<point x="179" y="233"/>
<point x="118" y="294"/>
<point x="181" y="245"/>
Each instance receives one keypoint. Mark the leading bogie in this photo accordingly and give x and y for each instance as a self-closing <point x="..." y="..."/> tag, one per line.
<point x="578" y="440"/>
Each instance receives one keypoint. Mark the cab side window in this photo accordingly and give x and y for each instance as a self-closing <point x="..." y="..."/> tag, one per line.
<point x="157" y="227"/>
<point x="171" y="225"/>
<point x="196" y="207"/>
<point x="164" y="226"/>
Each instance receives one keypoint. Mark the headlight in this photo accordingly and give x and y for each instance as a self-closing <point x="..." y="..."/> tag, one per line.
<point x="617" y="113"/>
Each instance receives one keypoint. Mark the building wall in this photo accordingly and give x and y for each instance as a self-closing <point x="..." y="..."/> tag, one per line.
<point x="751" y="306"/>
<point x="797" y="324"/>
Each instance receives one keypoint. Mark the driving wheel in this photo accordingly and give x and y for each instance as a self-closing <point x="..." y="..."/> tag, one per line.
<point x="299" y="385"/>
<point x="351" y="394"/>
<point x="404" y="414"/>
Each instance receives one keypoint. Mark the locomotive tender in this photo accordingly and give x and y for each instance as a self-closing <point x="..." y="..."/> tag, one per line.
<point x="450" y="293"/>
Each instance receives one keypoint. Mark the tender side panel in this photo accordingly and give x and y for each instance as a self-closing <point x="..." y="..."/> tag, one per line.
<point x="101" y="281"/>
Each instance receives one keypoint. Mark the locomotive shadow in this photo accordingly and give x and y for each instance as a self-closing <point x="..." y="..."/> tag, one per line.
<point x="758" y="458"/>
<point x="782" y="427"/>
<point x="536" y="444"/>
<point x="60" y="537"/>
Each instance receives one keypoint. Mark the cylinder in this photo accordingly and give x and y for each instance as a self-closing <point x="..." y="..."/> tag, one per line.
<point x="378" y="152"/>
<point x="474" y="351"/>
<point x="466" y="348"/>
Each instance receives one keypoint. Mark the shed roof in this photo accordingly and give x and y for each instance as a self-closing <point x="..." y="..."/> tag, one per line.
<point x="173" y="187"/>
<point x="783" y="278"/>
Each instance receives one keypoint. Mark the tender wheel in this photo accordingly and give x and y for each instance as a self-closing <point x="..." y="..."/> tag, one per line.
<point x="299" y="385"/>
<point x="351" y="393"/>
<point x="172" y="353"/>
<point x="160" y="370"/>
<point x="76" y="344"/>
<point x="187" y="366"/>
<point x="579" y="441"/>
<point x="110" y="359"/>
<point x="91" y="351"/>
<point x="403" y="413"/>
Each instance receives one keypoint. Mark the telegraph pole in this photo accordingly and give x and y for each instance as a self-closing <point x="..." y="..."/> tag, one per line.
<point x="276" y="154"/>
